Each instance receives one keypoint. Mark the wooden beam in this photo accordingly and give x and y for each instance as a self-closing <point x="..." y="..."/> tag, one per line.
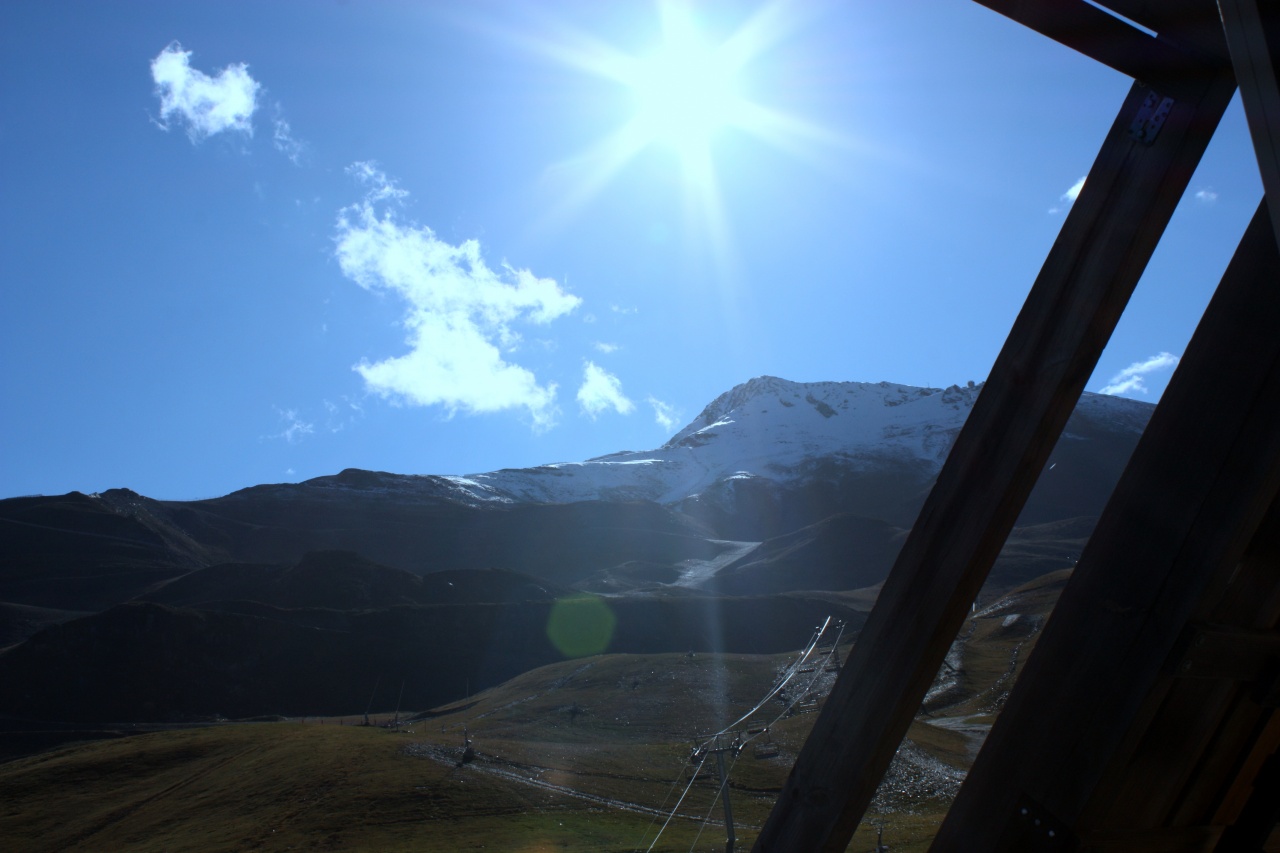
<point x="1253" y="37"/>
<point x="1051" y="351"/>
<point x="1212" y="722"/>
<point x="1184" y="513"/>
<point x="1165" y="66"/>
<point x="1183" y="839"/>
<point x="1227" y="652"/>
<point x="1188" y="25"/>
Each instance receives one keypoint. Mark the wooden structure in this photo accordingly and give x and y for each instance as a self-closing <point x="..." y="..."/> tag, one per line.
<point x="1146" y="718"/>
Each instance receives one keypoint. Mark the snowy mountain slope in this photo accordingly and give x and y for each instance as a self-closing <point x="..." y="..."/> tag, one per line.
<point x="766" y="428"/>
<point x="769" y="434"/>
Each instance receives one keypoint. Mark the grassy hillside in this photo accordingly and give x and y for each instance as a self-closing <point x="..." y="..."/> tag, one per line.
<point x="584" y="756"/>
<point x="591" y="754"/>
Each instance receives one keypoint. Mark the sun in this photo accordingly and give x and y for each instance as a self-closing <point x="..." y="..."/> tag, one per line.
<point x="686" y="90"/>
<point x="688" y="95"/>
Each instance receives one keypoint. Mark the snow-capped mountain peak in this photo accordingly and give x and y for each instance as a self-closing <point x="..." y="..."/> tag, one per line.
<point x="768" y="431"/>
<point x="765" y="428"/>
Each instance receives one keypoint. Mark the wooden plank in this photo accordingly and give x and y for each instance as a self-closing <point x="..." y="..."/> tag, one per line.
<point x="1187" y="506"/>
<point x="1051" y="351"/>
<point x="1102" y="37"/>
<point x="1253" y="37"/>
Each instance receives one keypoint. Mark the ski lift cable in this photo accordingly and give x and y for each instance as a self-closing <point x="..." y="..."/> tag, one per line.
<point x="676" y="808"/>
<point x="663" y="804"/>
<point x="791" y="672"/>
<point x="815" y="640"/>
<point x="714" y="800"/>
<point x="812" y="682"/>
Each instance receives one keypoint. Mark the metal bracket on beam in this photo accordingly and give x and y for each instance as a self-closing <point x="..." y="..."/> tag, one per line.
<point x="1150" y="118"/>
<point x="1033" y="828"/>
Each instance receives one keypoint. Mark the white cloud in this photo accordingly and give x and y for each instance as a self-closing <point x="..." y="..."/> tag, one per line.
<point x="1069" y="197"/>
<point x="1206" y="196"/>
<point x="665" y="414"/>
<point x="458" y="312"/>
<point x="607" y="349"/>
<point x="1131" y="379"/>
<point x="619" y="309"/>
<point x="206" y="105"/>
<point x="601" y="390"/>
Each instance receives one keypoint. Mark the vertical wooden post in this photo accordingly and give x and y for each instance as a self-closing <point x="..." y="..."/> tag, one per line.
<point x="1131" y="192"/>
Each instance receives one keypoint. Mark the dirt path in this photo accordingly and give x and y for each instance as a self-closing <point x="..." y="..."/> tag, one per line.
<point x="529" y="775"/>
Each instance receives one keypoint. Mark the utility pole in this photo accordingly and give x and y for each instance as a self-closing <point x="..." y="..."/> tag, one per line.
<point x="697" y="756"/>
<point x="724" y="795"/>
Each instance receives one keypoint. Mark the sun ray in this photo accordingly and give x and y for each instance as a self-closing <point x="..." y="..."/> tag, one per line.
<point x="688" y="96"/>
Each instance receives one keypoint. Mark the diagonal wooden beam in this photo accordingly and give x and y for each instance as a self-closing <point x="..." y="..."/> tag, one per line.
<point x="1075" y="747"/>
<point x="1253" y="37"/>
<point x="1159" y="62"/>
<point x="1051" y="351"/>
<point x="1191" y="25"/>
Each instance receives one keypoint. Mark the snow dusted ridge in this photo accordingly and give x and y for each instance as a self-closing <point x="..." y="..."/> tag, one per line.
<point x="768" y="428"/>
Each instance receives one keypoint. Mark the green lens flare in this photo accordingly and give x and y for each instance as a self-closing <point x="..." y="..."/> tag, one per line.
<point x="580" y="625"/>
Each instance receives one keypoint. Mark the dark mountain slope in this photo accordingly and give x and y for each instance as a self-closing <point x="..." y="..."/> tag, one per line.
<point x="840" y="553"/>
<point x="343" y="580"/>
<point x="559" y="542"/>
<point x="151" y="662"/>
<point x="77" y="552"/>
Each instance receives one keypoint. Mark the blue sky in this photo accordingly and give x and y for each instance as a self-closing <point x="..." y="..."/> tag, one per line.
<point x="262" y="242"/>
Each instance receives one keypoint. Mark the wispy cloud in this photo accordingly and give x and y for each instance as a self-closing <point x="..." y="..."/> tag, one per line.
<point x="1207" y="196"/>
<point x="621" y="309"/>
<point x="206" y="105"/>
<point x="1131" y="380"/>
<point x="294" y="427"/>
<point x="1069" y="197"/>
<point x="458" y="312"/>
<point x="606" y="348"/>
<point x="284" y="141"/>
<point x="341" y="415"/>
<point x="664" y="413"/>
<point x="601" y="390"/>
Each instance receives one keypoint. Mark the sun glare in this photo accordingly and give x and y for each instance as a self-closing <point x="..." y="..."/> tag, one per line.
<point x="685" y="92"/>
<point x="688" y="93"/>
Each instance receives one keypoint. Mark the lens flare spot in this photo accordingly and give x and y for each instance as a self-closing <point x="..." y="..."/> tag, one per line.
<point x="580" y="625"/>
